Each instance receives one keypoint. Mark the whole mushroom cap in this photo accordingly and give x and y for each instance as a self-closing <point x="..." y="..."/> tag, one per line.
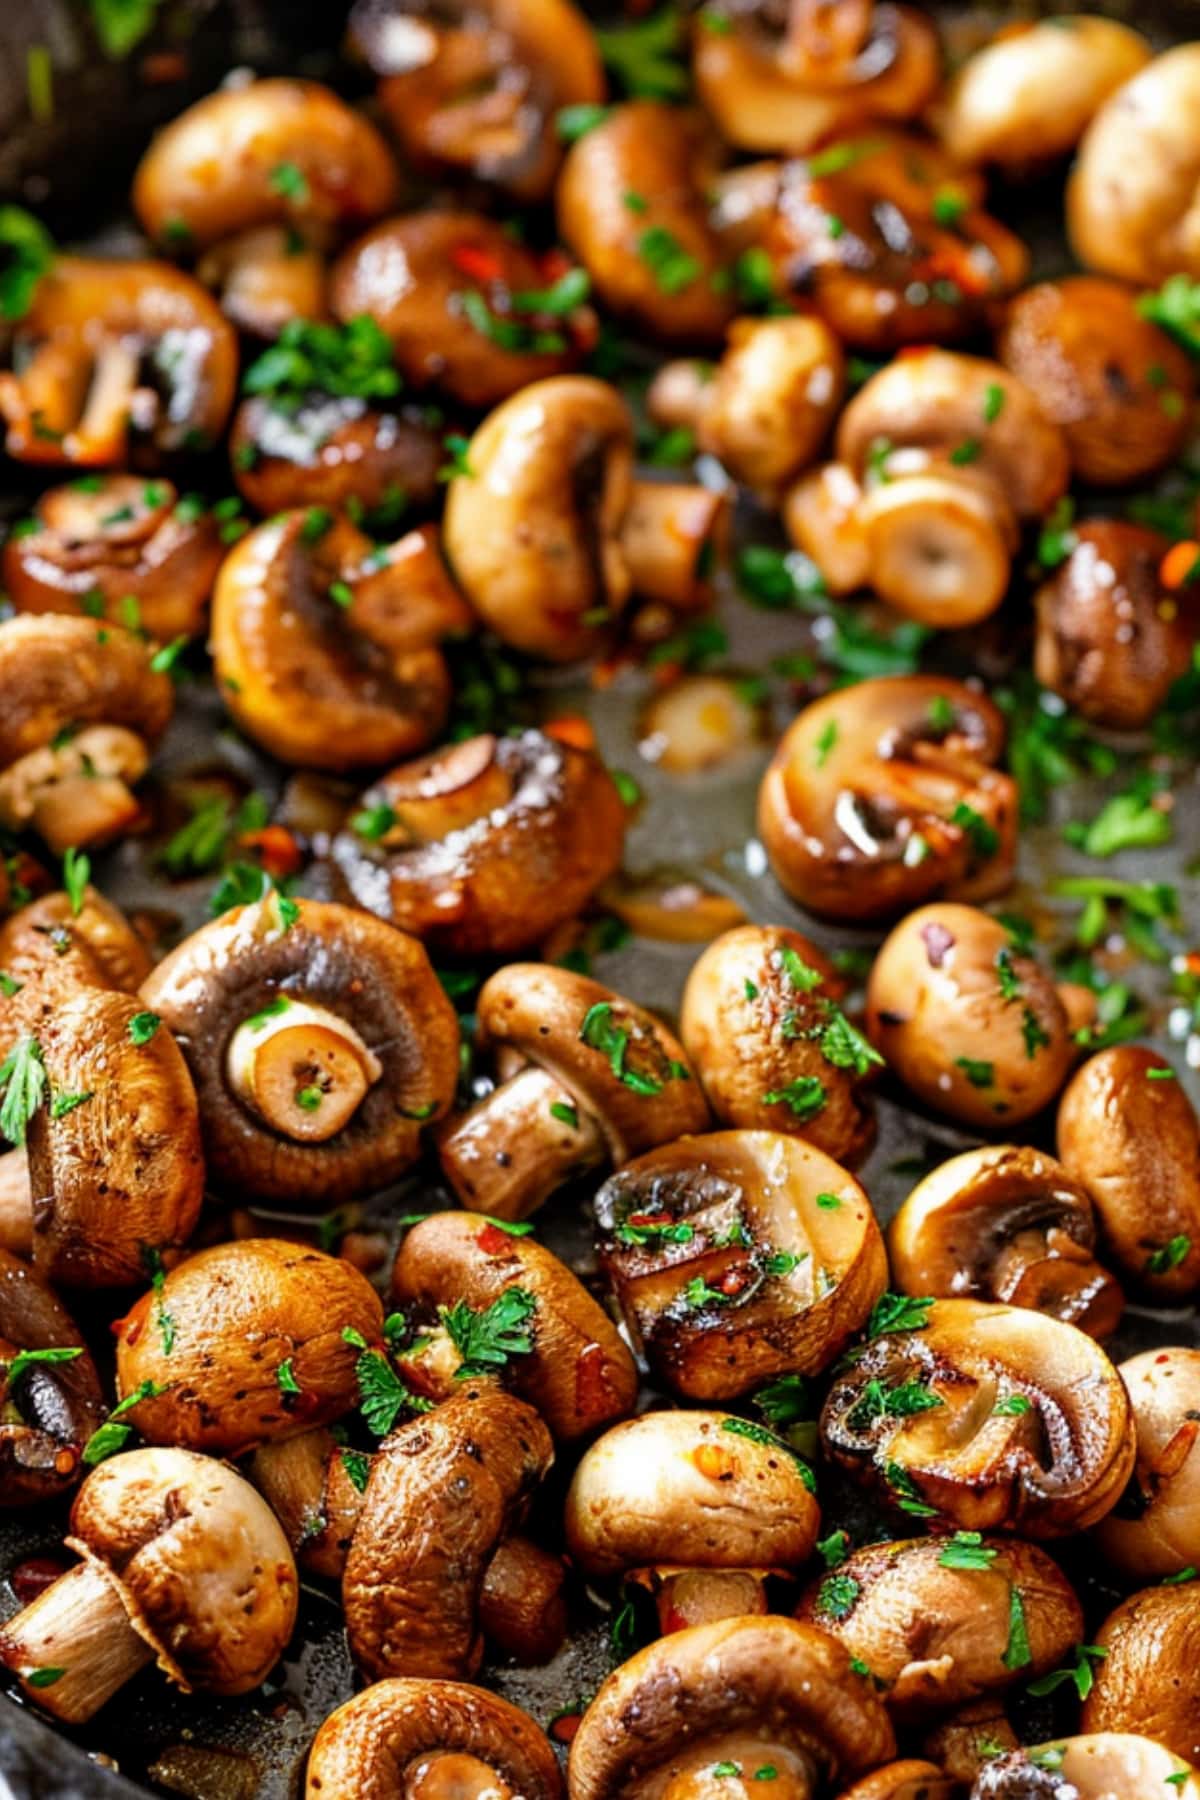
<point x="1149" y="1682"/>
<point x="907" y="1780"/>
<point x="1107" y="1765"/>
<point x="59" y="672"/>
<point x="1154" y="1530"/>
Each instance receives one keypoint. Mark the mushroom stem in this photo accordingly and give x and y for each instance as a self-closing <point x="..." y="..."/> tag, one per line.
<point x="451" y="791"/>
<point x="686" y="1597"/>
<point x="302" y="1068"/>
<point x="940" y="548"/>
<point x="79" y="1625"/>
<point x="507" y="1154"/>
<point x="16" y="1204"/>
<point x="77" y="793"/>
<point x="670" y="535"/>
<point x="1054" y="1274"/>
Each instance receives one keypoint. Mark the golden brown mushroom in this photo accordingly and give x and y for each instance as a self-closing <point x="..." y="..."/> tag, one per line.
<point x="1005" y="1223"/>
<point x="339" y="451"/>
<point x="1148" y="1682"/>
<point x="737" y="1257"/>
<point x="965" y="1741"/>
<point x="1024" y="1426"/>
<point x="485" y="846"/>
<point x="907" y="1780"/>
<point x="266" y="278"/>
<point x="886" y="794"/>
<point x="1153" y="1532"/>
<point x="968" y="1022"/>
<point x="1104" y="1766"/>
<point x="51" y="948"/>
<point x="320" y="1042"/>
<point x="50" y="1400"/>
<point x="589" y="1079"/>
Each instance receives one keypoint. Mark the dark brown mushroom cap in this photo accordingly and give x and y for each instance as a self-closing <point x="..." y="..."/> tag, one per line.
<point x="1030" y="1433"/>
<point x="53" y="1408"/>
<point x="333" y="450"/>
<point x="1154" y="1530"/>
<point x="220" y="1329"/>
<point x="578" y="1375"/>
<point x="1119" y="388"/>
<point x="497" y="841"/>
<point x="1133" y="1139"/>
<point x="119" y="1175"/>
<point x="870" y="799"/>
<point x="120" y="545"/>
<point x="59" y="673"/>
<point x="1005" y="1222"/>
<point x="443" y="1491"/>
<point x="370" y="1745"/>
<point x="781" y="1690"/>
<point x="907" y="1780"/>
<point x="1094" y="1767"/>
<point x="199" y="1561"/>
<point x="312" y="650"/>
<point x="737" y="1257"/>
<point x="1111" y="640"/>
<point x="935" y="1629"/>
<point x="379" y="979"/>
<point x="752" y="1030"/>
<point x="696" y="1490"/>
<point x="1149" y="1682"/>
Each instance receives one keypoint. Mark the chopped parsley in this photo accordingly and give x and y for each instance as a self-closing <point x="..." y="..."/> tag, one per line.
<point x="23" y="1084"/>
<point x="1017" y="1654"/>
<point x="898" y="1312"/>
<point x="142" y="1027"/>
<point x="967" y="1550"/>
<point x="1078" y="1673"/>
<point x="487" y="1339"/>
<point x="837" y="1595"/>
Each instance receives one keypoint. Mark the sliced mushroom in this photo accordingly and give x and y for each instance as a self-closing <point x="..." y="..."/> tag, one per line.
<point x="761" y="1020"/>
<point x="244" y="1343"/>
<point x="122" y="549"/>
<point x="1005" y="1223"/>
<point x="749" y="1691"/>
<point x="265" y="278"/>
<point x="51" y="1401"/>
<point x="117" y="360"/>
<point x="1148" y="1682"/>
<point x="821" y="515"/>
<point x="488" y="845"/>
<point x="737" y="1257"/>
<point x="1129" y="1133"/>
<point x="907" y="1780"/>
<point x="1106" y="1766"/>
<point x="590" y="1078"/>
<point x="886" y="794"/>
<point x="932" y="1618"/>
<point x="1153" y="1532"/>
<point x="1029" y="1430"/>
<point x="263" y="152"/>
<point x="438" y="1735"/>
<point x="971" y="1024"/>
<point x="183" y="1564"/>
<point x="326" y="652"/>
<point x="335" y="450"/>
<point x="284" y="1018"/>
<point x="443" y="1491"/>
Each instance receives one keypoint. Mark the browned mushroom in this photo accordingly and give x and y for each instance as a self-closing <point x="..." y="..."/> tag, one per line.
<point x="1104" y="1766"/>
<point x="965" y="1741"/>
<point x="320" y="1042"/>
<point x="474" y="89"/>
<point x="757" y="1693"/>
<point x="1129" y="1133"/>
<point x="1148" y="1681"/>
<point x="822" y="516"/>
<point x="336" y="450"/>
<point x="258" y="153"/>
<point x="117" y="547"/>
<point x="50" y="1400"/>
<point x="522" y="1607"/>
<point x="82" y="706"/>
<point x="968" y="1021"/>
<point x="935" y="1619"/>
<point x="761" y="1020"/>
<point x="1153" y="1532"/>
<point x="117" y="361"/>
<point x="327" y="650"/>
<point x="438" y="1735"/>
<point x="907" y="1780"/>
<point x="53" y="946"/>
<point x="737" y="1257"/>
<point x="885" y="794"/>
<point x="266" y="278"/>
<point x="172" y="1545"/>
<point x="1005" y="1223"/>
<point x="590" y="1078"/>
<point x="442" y="1492"/>
<point x="486" y="846"/>
<point x="314" y="1485"/>
<point x="1022" y="1424"/>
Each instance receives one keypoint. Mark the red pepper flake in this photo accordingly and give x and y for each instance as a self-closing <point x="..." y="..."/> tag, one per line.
<point x="494" y="1242"/>
<point x="734" y="1280"/>
<point x="674" y="1621"/>
<point x="477" y="263"/>
<point x="33" y="1576"/>
<point x="278" y="851"/>
<point x="565" y="1726"/>
<point x="655" y="1218"/>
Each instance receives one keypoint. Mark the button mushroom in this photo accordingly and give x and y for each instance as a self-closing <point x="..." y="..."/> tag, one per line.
<point x="577" y="1372"/>
<point x="183" y="1564"/>
<point x="443" y="1491"/>
<point x="1106" y="1766"/>
<point x="82" y="706"/>
<point x="885" y="794"/>
<point x="752" y="1692"/>
<point x="117" y="360"/>
<point x="485" y="846"/>
<point x="738" y="1257"/>
<point x="761" y="1022"/>
<point x="53" y="946"/>
<point x="50" y="1400"/>
<point x="969" y="1022"/>
<point x="431" y="1739"/>
<point x="591" y="1078"/>
<point x="1153" y="1532"/>
<point x="320" y="1041"/>
<point x="263" y="152"/>
<point x="117" y="548"/>
<point x="243" y="1343"/>
<point x="1005" y="1223"/>
<point x="941" y="1621"/>
<point x="313" y="1485"/>
<point x="337" y="450"/>
<point x="1148" y="1681"/>
<point x="327" y="649"/>
<point x="700" y="1507"/>
<point x="1007" y="1420"/>
<point x="1129" y="1133"/>
<point x="266" y="278"/>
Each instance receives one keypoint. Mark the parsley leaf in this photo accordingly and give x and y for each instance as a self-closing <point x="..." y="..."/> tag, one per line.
<point x="837" y="1595"/>
<point x="1079" y="1673"/>
<point x="967" y="1550"/>
<point x="803" y="1097"/>
<point x="898" y="1312"/>
<point x="353" y="360"/>
<point x="26" y="254"/>
<point x="1017" y="1654"/>
<point x="23" y="1082"/>
<point x="485" y="1340"/>
<point x="28" y="1359"/>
